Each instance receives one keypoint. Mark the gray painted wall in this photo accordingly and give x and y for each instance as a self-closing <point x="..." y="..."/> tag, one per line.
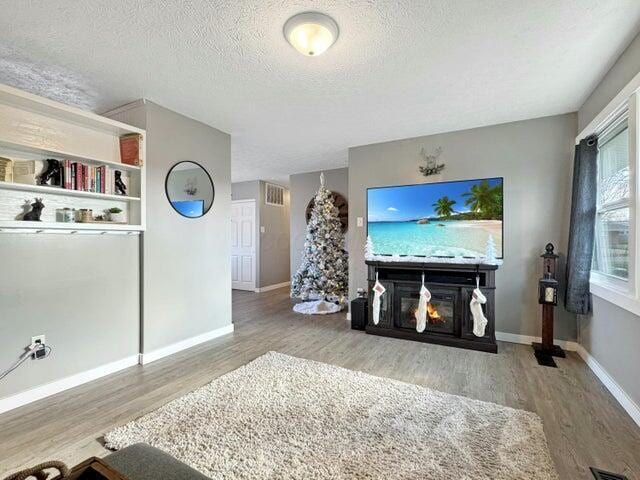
<point x="611" y="334"/>
<point x="187" y="271"/>
<point x="533" y="156"/>
<point x="246" y="190"/>
<point x="303" y="187"/>
<point x="623" y="70"/>
<point x="187" y="268"/>
<point x="273" y="245"/>
<point x="81" y="291"/>
<point x="274" y="242"/>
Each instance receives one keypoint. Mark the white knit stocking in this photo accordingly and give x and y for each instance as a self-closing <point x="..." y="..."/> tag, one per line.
<point x="378" y="290"/>
<point x="421" y="313"/>
<point x="479" y="320"/>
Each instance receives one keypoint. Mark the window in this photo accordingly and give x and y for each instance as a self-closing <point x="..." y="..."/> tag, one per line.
<point x="616" y="264"/>
<point x="611" y="251"/>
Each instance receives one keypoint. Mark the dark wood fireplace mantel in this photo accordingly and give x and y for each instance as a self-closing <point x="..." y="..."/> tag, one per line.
<point x="451" y="284"/>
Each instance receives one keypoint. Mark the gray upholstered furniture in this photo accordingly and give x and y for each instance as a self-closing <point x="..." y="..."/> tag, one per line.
<point x="144" y="462"/>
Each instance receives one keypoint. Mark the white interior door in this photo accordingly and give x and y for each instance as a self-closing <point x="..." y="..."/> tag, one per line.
<point x="243" y="245"/>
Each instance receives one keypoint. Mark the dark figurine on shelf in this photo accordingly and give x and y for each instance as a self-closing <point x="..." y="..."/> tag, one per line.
<point x="52" y="174"/>
<point x="36" y="210"/>
<point x="121" y="188"/>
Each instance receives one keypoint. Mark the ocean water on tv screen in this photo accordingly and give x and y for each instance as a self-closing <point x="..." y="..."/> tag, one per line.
<point x="442" y="238"/>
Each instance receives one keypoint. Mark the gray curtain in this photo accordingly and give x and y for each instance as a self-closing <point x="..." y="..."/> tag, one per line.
<point x="582" y="226"/>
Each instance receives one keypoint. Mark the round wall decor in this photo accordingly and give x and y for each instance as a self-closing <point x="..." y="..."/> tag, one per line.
<point x="189" y="189"/>
<point x="341" y="204"/>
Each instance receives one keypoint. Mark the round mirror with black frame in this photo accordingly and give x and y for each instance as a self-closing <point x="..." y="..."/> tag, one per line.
<point x="189" y="189"/>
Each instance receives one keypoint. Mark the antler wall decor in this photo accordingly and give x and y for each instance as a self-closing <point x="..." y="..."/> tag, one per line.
<point x="431" y="166"/>
<point x="191" y="186"/>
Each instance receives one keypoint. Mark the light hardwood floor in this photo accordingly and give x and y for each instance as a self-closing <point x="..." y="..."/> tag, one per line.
<point x="584" y="424"/>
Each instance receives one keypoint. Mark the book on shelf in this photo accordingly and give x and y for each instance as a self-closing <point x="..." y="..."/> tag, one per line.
<point x="131" y="149"/>
<point x="103" y="179"/>
<point x="73" y="180"/>
<point x="66" y="175"/>
<point x="27" y="171"/>
<point x="109" y="180"/>
<point x="6" y="169"/>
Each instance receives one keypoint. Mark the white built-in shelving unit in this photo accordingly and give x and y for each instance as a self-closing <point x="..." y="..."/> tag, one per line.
<point x="36" y="128"/>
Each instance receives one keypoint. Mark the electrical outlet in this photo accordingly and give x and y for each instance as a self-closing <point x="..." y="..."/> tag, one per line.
<point x="359" y="222"/>
<point x="39" y="352"/>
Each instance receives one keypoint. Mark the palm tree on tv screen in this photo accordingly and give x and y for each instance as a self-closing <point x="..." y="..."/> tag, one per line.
<point x="484" y="199"/>
<point x="444" y="206"/>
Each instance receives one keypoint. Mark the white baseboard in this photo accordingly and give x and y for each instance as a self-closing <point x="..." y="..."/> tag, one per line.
<point x="607" y="380"/>
<point x="272" y="287"/>
<point x="152" y="356"/>
<point x="528" y="340"/>
<point x="243" y="288"/>
<point x="42" y="391"/>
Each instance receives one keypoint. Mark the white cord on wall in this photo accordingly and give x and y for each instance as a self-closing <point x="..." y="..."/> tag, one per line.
<point x="32" y="349"/>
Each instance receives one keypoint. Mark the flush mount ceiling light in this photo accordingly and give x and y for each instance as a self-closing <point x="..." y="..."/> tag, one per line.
<point x="311" y="33"/>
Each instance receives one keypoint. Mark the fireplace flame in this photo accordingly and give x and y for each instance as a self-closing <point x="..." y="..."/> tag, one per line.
<point x="433" y="316"/>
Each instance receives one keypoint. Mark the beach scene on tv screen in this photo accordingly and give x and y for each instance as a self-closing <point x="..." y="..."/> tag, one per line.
<point x="436" y="219"/>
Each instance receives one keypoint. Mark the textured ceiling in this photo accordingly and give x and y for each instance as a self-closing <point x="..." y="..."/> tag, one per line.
<point x="400" y="68"/>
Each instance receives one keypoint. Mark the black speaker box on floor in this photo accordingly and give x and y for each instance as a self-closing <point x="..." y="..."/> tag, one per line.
<point x="359" y="312"/>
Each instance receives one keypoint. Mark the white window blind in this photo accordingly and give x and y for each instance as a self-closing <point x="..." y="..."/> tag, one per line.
<point x="611" y="251"/>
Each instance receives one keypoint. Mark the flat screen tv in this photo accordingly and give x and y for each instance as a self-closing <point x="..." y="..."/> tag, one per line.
<point x="189" y="208"/>
<point x="446" y="219"/>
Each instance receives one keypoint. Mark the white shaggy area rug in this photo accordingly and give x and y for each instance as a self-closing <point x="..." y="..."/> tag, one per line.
<point x="285" y="417"/>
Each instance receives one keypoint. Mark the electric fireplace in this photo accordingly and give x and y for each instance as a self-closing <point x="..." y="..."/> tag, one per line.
<point x="449" y="321"/>
<point x="441" y="310"/>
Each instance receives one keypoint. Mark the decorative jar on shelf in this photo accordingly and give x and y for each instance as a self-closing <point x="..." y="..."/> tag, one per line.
<point x="66" y="215"/>
<point x="85" y="215"/>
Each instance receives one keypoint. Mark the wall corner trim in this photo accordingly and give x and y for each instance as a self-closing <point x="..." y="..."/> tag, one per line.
<point x="528" y="340"/>
<point x="123" y="108"/>
<point x="57" y="386"/>
<point x="272" y="287"/>
<point x="632" y="408"/>
<point x="152" y="356"/>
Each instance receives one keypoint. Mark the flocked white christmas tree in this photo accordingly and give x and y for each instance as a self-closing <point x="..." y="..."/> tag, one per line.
<point x="323" y="273"/>
<point x="490" y="255"/>
<point x="368" y="249"/>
